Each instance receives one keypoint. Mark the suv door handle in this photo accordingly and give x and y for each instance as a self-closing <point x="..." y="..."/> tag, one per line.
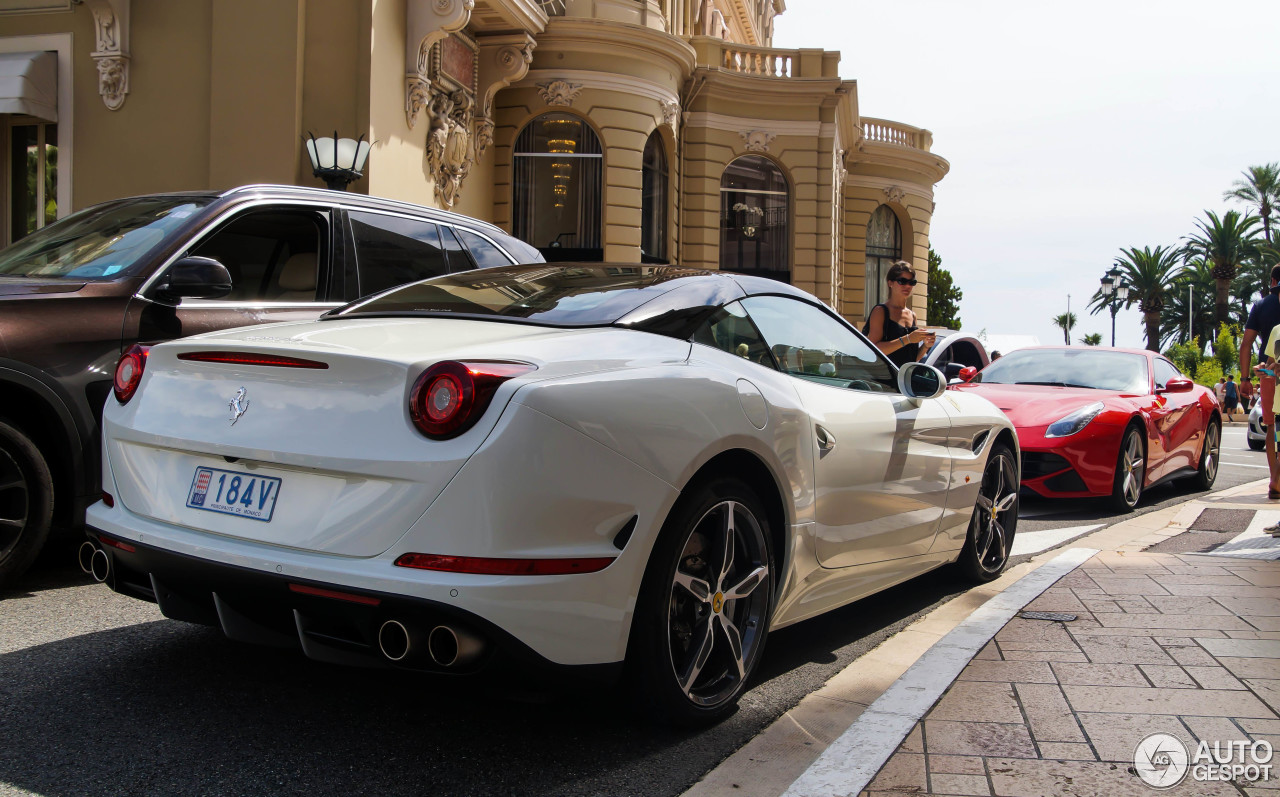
<point x="826" y="440"/>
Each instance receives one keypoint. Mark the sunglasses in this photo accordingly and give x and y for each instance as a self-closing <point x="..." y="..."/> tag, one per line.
<point x="905" y="281"/>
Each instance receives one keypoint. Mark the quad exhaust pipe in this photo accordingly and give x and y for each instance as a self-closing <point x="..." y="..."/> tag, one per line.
<point x="445" y="645"/>
<point x="84" y="557"/>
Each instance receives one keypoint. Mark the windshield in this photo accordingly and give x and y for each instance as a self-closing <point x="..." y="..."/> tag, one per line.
<point x="99" y="242"/>
<point x="553" y="295"/>
<point x="1102" y="370"/>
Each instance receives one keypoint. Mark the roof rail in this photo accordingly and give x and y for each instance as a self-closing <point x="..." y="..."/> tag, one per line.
<point x="360" y="198"/>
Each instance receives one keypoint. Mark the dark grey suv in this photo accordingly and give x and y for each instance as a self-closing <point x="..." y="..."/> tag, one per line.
<point x="77" y="293"/>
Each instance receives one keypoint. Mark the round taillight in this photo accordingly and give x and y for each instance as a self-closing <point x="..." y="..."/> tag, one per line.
<point x="129" y="372"/>
<point x="451" y="396"/>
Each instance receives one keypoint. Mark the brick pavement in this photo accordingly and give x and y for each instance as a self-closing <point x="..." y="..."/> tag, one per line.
<point x="1185" y="644"/>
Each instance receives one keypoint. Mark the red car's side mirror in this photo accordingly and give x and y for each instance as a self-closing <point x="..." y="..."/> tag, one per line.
<point x="1177" y="386"/>
<point x="967" y="373"/>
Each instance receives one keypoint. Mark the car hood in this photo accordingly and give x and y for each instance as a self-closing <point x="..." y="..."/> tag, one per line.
<point x="25" y="286"/>
<point x="1039" y="405"/>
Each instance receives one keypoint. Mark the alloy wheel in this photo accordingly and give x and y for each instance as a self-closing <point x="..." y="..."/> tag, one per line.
<point x="1131" y="469"/>
<point x="14" y="502"/>
<point x="996" y="505"/>
<point x="1212" y="444"/>
<point x="719" y="600"/>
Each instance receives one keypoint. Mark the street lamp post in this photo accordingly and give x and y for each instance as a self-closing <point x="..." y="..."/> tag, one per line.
<point x="1116" y="291"/>
<point x="337" y="161"/>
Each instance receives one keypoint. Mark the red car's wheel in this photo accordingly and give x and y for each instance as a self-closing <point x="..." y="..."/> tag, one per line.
<point x="1131" y="471"/>
<point x="1208" y="471"/>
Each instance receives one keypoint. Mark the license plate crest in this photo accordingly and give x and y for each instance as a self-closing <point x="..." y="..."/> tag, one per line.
<point x="230" y="492"/>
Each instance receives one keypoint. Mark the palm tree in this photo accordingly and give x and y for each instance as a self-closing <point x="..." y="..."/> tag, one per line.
<point x="1198" y="276"/>
<point x="1065" y="322"/>
<point x="1092" y="339"/>
<point x="1260" y="188"/>
<point x="1150" y="274"/>
<point x="1226" y="243"/>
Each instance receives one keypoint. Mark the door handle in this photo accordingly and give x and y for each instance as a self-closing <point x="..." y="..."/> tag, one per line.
<point x="826" y="440"/>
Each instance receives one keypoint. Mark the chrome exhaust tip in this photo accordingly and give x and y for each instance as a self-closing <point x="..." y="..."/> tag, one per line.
<point x="393" y="640"/>
<point x="84" y="557"/>
<point x="450" y="647"/>
<point x="99" y="565"/>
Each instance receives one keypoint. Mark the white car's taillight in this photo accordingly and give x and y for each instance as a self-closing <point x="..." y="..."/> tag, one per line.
<point x="129" y="372"/>
<point x="451" y="396"/>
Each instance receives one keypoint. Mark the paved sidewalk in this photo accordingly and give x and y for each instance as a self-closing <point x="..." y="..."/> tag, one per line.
<point x="1161" y="638"/>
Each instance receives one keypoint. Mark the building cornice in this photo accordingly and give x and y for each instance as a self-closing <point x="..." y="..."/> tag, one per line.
<point x="739" y="124"/>
<point x="605" y="81"/>
<point x="908" y="160"/>
<point x="574" y="34"/>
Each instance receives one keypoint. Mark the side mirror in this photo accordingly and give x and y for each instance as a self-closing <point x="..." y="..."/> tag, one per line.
<point x="194" y="277"/>
<point x="967" y="373"/>
<point x="917" y="380"/>
<point x="1177" y="385"/>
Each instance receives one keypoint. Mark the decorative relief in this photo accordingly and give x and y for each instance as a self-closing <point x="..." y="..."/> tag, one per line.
<point x="428" y="22"/>
<point x="559" y="92"/>
<point x="111" y="49"/>
<point x="484" y="135"/>
<point x="758" y="140"/>
<point x="895" y="194"/>
<point x="503" y="61"/>
<point x="840" y="171"/>
<point x="417" y="92"/>
<point x="671" y="115"/>
<point x="450" y="147"/>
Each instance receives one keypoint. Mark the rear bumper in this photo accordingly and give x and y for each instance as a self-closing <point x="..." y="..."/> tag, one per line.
<point x="328" y="622"/>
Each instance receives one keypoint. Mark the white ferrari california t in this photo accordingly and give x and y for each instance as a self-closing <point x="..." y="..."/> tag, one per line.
<point x="616" y="470"/>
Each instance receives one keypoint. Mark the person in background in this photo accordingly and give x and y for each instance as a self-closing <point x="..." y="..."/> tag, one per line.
<point x="892" y="325"/>
<point x="995" y="355"/>
<point x="1263" y="319"/>
<point x="1232" y="397"/>
<point x="1246" y="394"/>
<point x="1220" y="390"/>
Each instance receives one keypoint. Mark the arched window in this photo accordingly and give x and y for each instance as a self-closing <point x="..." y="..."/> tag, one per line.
<point x="557" y="188"/>
<point x="884" y="246"/>
<point x="755" y="235"/>
<point x="653" y="203"/>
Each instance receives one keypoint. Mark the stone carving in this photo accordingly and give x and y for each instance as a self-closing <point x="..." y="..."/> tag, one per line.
<point x="111" y="51"/>
<point x="559" y="92"/>
<point x="671" y="114"/>
<point x="503" y="60"/>
<point x="451" y="149"/>
<point x="896" y="194"/>
<point x="484" y="135"/>
<point x="758" y="140"/>
<point x="426" y="23"/>
<point x="417" y="92"/>
<point x="840" y="171"/>
<point x="113" y="80"/>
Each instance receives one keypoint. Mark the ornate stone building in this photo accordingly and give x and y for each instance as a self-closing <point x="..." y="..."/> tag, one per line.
<point x="619" y="130"/>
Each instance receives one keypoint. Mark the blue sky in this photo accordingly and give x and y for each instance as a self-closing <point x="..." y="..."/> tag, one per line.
<point x="1072" y="131"/>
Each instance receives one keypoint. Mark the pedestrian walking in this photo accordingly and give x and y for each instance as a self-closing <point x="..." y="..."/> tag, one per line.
<point x="1220" y="390"/>
<point x="1246" y="394"/>
<point x="1232" y="394"/>
<point x="1263" y="318"/>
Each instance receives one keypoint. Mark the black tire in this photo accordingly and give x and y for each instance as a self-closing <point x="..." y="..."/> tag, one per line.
<point x="995" y="519"/>
<point x="1207" y="472"/>
<point x="1131" y="471"/>
<point x="1257" y="445"/>
<point x="693" y="648"/>
<point x="26" y="502"/>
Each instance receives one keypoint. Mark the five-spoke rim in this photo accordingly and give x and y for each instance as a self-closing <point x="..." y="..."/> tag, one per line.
<point x="718" y="603"/>
<point x="14" y="502"/>
<point x="997" y="505"/>
<point x="1211" y="446"/>
<point x="1131" y="469"/>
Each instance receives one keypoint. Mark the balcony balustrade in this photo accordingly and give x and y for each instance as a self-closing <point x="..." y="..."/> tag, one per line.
<point x="883" y="131"/>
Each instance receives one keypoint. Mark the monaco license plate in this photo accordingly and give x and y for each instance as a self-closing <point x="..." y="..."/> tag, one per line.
<point x="233" y="493"/>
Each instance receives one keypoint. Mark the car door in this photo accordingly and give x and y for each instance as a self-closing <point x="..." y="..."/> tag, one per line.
<point x="279" y="259"/>
<point x="882" y="466"/>
<point x="1177" y="426"/>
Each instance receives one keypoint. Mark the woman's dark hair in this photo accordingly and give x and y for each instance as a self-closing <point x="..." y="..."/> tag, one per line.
<point x="899" y="268"/>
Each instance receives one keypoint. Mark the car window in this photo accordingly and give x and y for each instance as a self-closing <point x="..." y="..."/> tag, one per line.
<point x="272" y="256"/>
<point x="808" y="343"/>
<point x="486" y="254"/>
<point x="393" y="250"/>
<point x="1164" y="372"/>
<point x="459" y="259"/>
<point x="1079" y="366"/>
<point x="729" y="329"/>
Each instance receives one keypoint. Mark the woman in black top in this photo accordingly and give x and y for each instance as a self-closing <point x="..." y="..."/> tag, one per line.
<point x="892" y="325"/>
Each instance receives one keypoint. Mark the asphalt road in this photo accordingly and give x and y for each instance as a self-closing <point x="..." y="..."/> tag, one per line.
<point x="101" y="695"/>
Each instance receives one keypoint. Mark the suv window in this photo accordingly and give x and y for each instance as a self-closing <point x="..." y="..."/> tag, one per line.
<point x="459" y="260"/>
<point x="809" y="344"/>
<point x="486" y="254"/>
<point x="273" y="256"/>
<point x="394" y="250"/>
